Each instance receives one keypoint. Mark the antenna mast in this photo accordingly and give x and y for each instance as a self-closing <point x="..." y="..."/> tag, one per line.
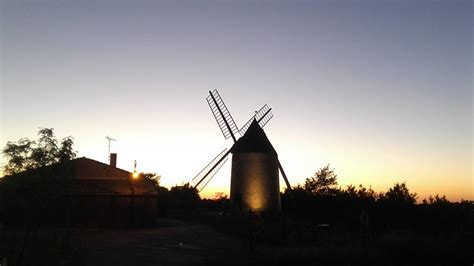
<point x="109" y="139"/>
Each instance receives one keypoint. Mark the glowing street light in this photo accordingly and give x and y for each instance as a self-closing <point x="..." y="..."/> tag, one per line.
<point x="135" y="173"/>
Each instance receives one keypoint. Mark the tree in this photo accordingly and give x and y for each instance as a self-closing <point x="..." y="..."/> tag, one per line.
<point x="323" y="182"/>
<point x="27" y="154"/>
<point x="154" y="177"/>
<point x="184" y="197"/>
<point x="400" y="194"/>
<point x="219" y="196"/>
<point x="46" y="150"/>
<point x="436" y="200"/>
<point x="66" y="151"/>
<point x="18" y="156"/>
<point x="366" y="193"/>
<point x="351" y="192"/>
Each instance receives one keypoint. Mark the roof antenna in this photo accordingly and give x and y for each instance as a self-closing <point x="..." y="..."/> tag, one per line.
<point x="109" y="139"/>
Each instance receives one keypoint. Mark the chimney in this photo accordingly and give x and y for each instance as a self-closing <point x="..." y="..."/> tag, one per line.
<point x="113" y="159"/>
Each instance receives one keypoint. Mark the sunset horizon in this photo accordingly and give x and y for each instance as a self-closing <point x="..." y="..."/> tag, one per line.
<point x="223" y="177"/>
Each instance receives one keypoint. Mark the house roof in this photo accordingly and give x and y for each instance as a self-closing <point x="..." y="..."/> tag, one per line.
<point x="254" y="140"/>
<point x="77" y="186"/>
<point x="84" y="176"/>
<point x="93" y="177"/>
<point x="85" y="168"/>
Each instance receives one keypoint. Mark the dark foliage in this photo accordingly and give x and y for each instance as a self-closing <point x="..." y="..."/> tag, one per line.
<point x="220" y="203"/>
<point x="323" y="182"/>
<point x="153" y="177"/>
<point x="26" y="154"/>
<point x="29" y="191"/>
<point x="184" y="197"/>
<point x="319" y="201"/>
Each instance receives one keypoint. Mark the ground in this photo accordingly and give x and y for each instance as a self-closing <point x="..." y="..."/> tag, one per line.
<point x="172" y="243"/>
<point x="184" y="242"/>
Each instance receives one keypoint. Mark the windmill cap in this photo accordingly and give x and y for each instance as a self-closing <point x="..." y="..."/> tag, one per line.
<point x="254" y="140"/>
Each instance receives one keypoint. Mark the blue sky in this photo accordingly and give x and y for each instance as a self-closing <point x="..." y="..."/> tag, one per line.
<point x="381" y="90"/>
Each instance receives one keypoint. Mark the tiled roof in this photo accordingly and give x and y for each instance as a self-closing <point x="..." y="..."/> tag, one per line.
<point x="83" y="186"/>
<point x="83" y="176"/>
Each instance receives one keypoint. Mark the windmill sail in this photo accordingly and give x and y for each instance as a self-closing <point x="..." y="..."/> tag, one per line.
<point x="262" y="116"/>
<point x="222" y="115"/>
<point x="206" y="174"/>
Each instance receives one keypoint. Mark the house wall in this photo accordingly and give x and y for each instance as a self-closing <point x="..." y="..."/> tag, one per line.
<point x="113" y="210"/>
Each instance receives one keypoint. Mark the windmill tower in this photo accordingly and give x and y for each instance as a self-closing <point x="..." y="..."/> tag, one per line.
<point x="254" y="176"/>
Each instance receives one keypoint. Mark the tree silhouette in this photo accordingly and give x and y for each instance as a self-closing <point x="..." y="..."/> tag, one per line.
<point x="18" y="156"/>
<point x="323" y="182"/>
<point x="66" y="151"/>
<point x="399" y="194"/>
<point x="27" y="154"/>
<point x="436" y="200"/>
<point x="184" y="197"/>
<point x="220" y="196"/>
<point x="154" y="177"/>
<point x="46" y="150"/>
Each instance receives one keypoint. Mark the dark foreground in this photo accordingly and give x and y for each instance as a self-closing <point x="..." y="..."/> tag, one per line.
<point x="176" y="242"/>
<point x="172" y="242"/>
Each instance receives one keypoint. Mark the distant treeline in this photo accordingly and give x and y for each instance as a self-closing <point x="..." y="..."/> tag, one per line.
<point x="321" y="201"/>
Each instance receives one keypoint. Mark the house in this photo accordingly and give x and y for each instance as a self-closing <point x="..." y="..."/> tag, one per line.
<point x="103" y="194"/>
<point x="87" y="192"/>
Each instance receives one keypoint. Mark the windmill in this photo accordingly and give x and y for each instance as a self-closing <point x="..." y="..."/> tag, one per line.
<point x="255" y="165"/>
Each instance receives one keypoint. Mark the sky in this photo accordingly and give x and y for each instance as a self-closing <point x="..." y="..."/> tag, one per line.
<point x="380" y="90"/>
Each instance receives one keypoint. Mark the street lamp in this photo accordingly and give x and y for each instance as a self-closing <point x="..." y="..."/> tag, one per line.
<point x="135" y="174"/>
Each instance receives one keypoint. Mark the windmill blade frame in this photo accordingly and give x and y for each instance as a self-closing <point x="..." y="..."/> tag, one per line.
<point x="222" y="115"/>
<point x="208" y="172"/>
<point x="262" y="116"/>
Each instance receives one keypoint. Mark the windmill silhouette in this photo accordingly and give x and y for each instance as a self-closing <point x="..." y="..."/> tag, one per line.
<point x="254" y="176"/>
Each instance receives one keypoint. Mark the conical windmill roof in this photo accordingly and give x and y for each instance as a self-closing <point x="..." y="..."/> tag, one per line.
<point x="254" y="140"/>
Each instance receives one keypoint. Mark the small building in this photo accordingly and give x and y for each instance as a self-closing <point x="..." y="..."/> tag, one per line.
<point x="87" y="192"/>
<point x="103" y="194"/>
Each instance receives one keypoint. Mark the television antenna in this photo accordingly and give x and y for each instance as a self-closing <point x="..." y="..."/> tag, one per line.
<point x="109" y="139"/>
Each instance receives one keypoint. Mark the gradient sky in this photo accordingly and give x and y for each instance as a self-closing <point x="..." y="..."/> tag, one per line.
<point x="381" y="90"/>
